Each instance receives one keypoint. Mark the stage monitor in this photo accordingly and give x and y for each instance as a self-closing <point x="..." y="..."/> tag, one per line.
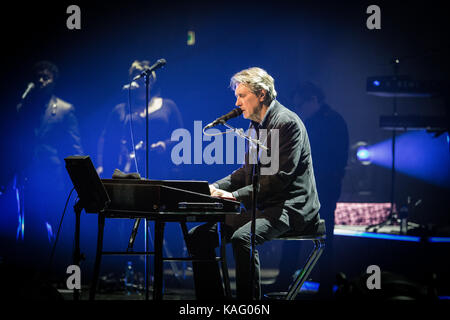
<point x="87" y="183"/>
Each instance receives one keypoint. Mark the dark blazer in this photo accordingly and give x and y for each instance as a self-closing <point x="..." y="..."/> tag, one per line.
<point x="114" y="146"/>
<point x="48" y="133"/>
<point x="292" y="187"/>
<point x="57" y="135"/>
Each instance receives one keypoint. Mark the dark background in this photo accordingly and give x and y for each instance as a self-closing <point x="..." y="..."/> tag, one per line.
<point x="326" y="42"/>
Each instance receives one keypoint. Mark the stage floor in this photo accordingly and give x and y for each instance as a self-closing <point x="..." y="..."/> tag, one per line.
<point x="183" y="289"/>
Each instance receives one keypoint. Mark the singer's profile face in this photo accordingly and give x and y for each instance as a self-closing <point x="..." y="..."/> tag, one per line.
<point x="249" y="103"/>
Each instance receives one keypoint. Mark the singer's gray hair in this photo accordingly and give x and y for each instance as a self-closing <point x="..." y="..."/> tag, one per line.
<point x="256" y="79"/>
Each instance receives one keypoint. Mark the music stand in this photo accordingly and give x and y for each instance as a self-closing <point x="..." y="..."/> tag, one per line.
<point x="87" y="183"/>
<point x="92" y="195"/>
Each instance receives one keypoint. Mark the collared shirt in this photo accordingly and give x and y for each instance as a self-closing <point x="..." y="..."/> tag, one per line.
<point x="270" y="108"/>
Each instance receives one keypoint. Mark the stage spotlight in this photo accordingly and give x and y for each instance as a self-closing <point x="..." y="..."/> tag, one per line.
<point x="362" y="152"/>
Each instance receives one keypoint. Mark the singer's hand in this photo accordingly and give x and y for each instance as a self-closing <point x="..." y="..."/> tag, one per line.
<point x="212" y="189"/>
<point x="222" y="193"/>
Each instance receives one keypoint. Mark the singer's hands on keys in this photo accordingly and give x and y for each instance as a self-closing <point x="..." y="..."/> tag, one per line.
<point x="220" y="193"/>
<point x="212" y="189"/>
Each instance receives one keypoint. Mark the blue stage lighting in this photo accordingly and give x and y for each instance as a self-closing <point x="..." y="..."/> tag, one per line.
<point x="49" y="231"/>
<point x="355" y="233"/>
<point x="363" y="154"/>
<point x="310" y="286"/>
<point x="418" y="154"/>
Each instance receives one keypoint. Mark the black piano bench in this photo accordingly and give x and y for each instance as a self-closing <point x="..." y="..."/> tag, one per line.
<point x="318" y="239"/>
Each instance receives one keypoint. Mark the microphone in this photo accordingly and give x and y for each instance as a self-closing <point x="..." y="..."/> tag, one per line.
<point x="158" y="64"/>
<point x="232" y="114"/>
<point x="31" y="85"/>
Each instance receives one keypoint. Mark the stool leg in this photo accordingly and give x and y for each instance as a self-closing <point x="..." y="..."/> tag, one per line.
<point x="159" y="271"/>
<point x="223" y="261"/>
<point x="319" y="245"/>
<point x="184" y="230"/>
<point x="98" y="256"/>
<point x="186" y="247"/>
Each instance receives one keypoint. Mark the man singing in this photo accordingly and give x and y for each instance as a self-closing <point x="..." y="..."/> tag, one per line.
<point x="287" y="199"/>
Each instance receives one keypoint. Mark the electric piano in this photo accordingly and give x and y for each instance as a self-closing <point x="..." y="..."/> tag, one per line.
<point x="160" y="201"/>
<point x="163" y="201"/>
<point x="132" y="198"/>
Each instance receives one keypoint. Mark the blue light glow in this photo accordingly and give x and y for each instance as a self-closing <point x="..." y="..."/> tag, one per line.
<point x="20" y="227"/>
<point x="49" y="231"/>
<point x="21" y="223"/>
<point x="376" y="83"/>
<point x="439" y="239"/>
<point x="352" y="233"/>
<point x="363" y="154"/>
<point x="418" y="154"/>
<point x="310" y="286"/>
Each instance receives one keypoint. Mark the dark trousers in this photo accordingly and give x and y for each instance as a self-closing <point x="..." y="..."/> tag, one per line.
<point x="203" y="239"/>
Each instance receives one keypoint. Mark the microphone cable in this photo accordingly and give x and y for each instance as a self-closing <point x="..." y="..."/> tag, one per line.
<point x="215" y="134"/>
<point x="59" y="228"/>
<point x="131" y="128"/>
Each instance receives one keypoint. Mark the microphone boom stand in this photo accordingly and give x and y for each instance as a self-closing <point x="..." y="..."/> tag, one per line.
<point x="138" y="220"/>
<point x="147" y="89"/>
<point x="255" y="183"/>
